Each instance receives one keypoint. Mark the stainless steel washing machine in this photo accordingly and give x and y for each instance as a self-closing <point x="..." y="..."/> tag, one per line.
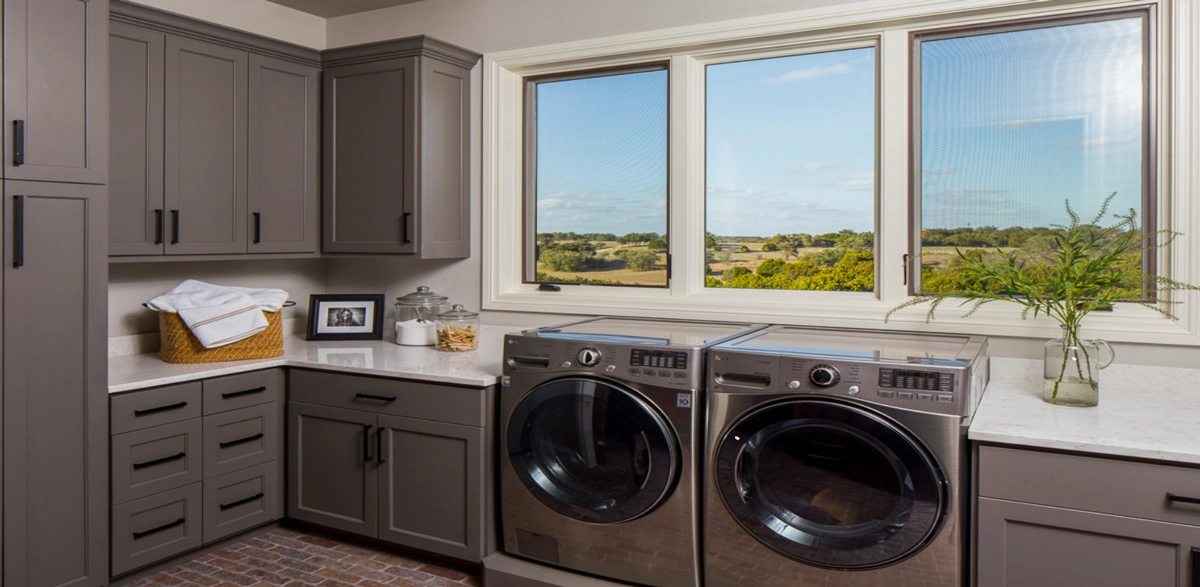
<point x="839" y="457"/>
<point x="601" y="426"/>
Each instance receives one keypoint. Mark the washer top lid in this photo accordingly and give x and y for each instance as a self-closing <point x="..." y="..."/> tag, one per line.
<point x="863" y="345"/>
<point x="646" y="332"/>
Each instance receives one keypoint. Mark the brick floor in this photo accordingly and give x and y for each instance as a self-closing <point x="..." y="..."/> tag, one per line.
<point x="294" y="558"/>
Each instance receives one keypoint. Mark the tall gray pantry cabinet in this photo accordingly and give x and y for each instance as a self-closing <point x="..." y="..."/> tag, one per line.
<point x="55" y="456"/>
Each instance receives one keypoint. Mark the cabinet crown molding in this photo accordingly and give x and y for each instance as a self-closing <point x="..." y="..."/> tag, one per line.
<point x="418" y="46"/>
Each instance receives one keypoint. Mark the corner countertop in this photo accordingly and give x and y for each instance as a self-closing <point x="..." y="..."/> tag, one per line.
<point x="381" y="358"/>
<point x="1144" y="412"/>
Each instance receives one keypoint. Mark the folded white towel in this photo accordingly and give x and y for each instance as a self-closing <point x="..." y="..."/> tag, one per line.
<point x="218" y="315"/>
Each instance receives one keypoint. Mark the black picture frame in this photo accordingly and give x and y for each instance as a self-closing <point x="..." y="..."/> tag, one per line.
<point x="345" y="317"/>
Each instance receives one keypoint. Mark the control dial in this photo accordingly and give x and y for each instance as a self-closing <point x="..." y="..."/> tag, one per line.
<point x="589" y="357"/>
<point x="824" y="376"/>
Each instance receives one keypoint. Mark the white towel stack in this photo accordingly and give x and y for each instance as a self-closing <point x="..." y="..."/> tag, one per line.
<point x="219" y="314"/>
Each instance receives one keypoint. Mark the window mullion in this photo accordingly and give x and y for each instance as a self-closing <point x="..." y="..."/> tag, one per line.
<point x="686" y="104"/>
<point x="895" y="222"/>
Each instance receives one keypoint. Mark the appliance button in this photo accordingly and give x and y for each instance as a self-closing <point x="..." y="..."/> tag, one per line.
<point x="946" y="387"/>
<point x="925" y="397"/>
<point x="681" y="374"/>
<point x="904" y="395"/>
<point x="793" y="384"/>
<point x="633" y="371"/>
<point x="945" y="399"/>
<point x="565" y="364"/>
<point x="664" y="373"/>
<point x="610" y="369"/>
<point x="853" y="390"/>
<point x="670" y="363"/>
<point x="887" y="394"/>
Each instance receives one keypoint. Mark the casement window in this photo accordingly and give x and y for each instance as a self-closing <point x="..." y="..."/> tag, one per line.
<point x="1014" y="120"/>
<point x="791" y="169"/>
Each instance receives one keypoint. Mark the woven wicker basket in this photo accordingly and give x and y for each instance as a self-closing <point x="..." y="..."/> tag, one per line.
<point x="179" y="345"/>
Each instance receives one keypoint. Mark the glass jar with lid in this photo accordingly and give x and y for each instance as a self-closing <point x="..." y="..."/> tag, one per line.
<point x="457" y="330"/>
<point x="416" y="317"/>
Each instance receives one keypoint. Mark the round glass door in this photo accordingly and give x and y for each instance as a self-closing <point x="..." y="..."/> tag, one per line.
<point x="591" y="450"/>
<point x="829" y="484"/>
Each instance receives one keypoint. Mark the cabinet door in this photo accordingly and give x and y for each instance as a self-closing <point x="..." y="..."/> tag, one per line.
<point x="137" y="221"/>
<point x="205" y="132"/>
<point x="430" y="480"/>
<point x="55" y="439"/>
<point x="332" y="478"/>
<point x="370" y="145"/>
<point x="55" y="77"/>
<point x="284" y="156"/>
<point x="1022" y="544"/>
<point x="443" y="205"/>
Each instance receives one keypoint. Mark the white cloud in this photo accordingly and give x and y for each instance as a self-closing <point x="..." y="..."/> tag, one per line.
<point x="813" y="166"/>
<point x="858" y="180"/>
<point x="800" y="75"/>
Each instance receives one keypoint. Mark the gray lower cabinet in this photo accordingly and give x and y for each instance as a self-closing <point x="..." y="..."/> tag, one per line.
<point x="193" y="463"/>
<point x="215" y="148"/>
<point x="397" y="149"/>
<point x="55" y="401"/>
<point x="1067" y="520"/>
<point x="55" y="95"/>
<point x="384" y="469"/>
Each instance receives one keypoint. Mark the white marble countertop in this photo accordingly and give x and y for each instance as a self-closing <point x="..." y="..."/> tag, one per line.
<point x="384" y="358"/>
<point x="1144" y="412"/>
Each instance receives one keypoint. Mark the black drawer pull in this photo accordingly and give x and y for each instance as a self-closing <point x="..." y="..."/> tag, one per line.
<point x="167" y="526"/>
<point x="148" y="411"/>
<point x="404" y="221"/>
<point x="234" y="504"/>
<point x="158" y="226"/>
<point x="257" y="227"/>
<point x="243" y="392"/>
<point x="174" y="227"/>
<point x="1182" y="498"/>
<point x="18" y="231"/>
<point x="18" y="143"/>
<point x="379" y="398"/>
<point x="240" y="441"/>
<point x="367" y="442"/>
<point x="174" y="457"/>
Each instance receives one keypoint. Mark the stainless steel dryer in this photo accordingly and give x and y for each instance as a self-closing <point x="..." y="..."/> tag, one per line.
<point x="601" y="426"/>
<point x="839" y="457"/>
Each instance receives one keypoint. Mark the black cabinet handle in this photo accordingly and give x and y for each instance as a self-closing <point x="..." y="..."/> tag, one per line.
<point x="404" y="226"/>
<point x="379" y="447"/>
<point x="257" y="227"/>
<point x="148" y="411"/>
<point x="230" y="394"/>
<point x="174" y="227"/>
<point x="367" y="443"/>
<point x="158" y="226"/>
<point x="1196" y="567"/>
<point x="18" y="231"/>
<point x="144" y="464"/>
<point x="234" y="504"/>
<point x="379" y="398"/>
<point x="240" y="441"/>
<point x="167" y="526"/>
<point x="1182" y="498"/>
<point x="18" y="143"/>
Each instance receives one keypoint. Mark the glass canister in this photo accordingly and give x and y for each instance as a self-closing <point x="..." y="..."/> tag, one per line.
<point x="457" y="330"/>
<point x="416" y="317"/>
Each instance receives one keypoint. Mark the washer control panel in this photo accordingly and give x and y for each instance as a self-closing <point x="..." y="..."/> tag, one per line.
<point x="658" y="358"/>
<point x="922" y="380"/>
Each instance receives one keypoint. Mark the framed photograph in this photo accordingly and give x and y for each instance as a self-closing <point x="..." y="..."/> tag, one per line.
<point x="345" y="317"/>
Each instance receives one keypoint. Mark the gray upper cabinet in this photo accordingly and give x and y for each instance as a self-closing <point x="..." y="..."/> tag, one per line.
<point x="285" y="153"/>
<point x="137" y="218"/>
<point x="55" y="100"/>
<point x="55" y="421"/>
<point x="205" y="145"/>
<point x="397" y="149"/>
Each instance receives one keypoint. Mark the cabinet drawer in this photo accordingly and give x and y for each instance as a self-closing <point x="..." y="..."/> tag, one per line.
<point x="242" y="500"/>
<point x="154" y="528"/>
<point x="1125" y="488"/>
<point x="154" y="407"/>
<point x="440" y="403"/>
<point x="145" y="462"/>
<point x="239" y="391"/>
<point x="241" y="438"/>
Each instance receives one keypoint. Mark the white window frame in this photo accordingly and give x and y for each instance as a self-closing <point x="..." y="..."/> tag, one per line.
<point x="886" y="24"/>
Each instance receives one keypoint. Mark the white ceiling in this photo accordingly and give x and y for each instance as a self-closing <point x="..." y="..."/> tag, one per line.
<point x="332" y="8"/>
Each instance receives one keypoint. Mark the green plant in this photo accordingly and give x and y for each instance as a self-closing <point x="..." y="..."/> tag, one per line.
<point x="1071" y="272"/>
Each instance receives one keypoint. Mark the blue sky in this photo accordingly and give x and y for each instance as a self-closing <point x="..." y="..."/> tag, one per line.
<point x="1012" y="124"/>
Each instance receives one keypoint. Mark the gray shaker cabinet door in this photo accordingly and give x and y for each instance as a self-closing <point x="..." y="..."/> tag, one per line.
<point x="430" y="486"/>
<point x="55" y="78"/>
<point x="331" y="474"/>
<point x="443" y="203"/>
<point x="205" y="162"/>
<point x="369" y="162"/>
<point x="1021" y="545"/>
<point x="55" y="433"/>
<point x="137" y="219"/>
<point x="284" y="152"/>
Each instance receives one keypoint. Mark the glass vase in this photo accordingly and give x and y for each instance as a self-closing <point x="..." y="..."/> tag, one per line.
<point x="1072" y="369"/>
